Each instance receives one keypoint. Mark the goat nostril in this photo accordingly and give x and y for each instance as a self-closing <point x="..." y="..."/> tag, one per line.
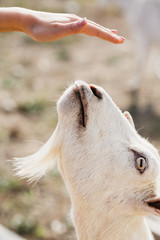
<point x="96" y="92"/>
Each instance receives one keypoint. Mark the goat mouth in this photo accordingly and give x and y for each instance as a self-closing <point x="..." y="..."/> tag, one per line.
<point x="155" y="204"/>
<point x="80" y="93"/>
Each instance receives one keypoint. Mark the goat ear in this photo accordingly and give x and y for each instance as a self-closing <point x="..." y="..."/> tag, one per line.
<point x="35" y="166"/>
<point x="129" y="117"/>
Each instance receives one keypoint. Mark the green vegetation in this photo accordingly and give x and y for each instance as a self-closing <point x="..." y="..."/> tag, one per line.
<point x="27" y="226"/>
<point x="11" y="184"/>
<point x="33" y="107"/>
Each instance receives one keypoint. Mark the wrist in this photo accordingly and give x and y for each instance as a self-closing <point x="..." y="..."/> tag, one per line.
<point x="16" y="19"/>
<point x="28" y="21"/>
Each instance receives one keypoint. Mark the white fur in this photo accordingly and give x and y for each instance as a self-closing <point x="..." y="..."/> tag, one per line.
<point x="98" y="166"/>
<point x="27" y="167"/>
<point x="144" y="19"/>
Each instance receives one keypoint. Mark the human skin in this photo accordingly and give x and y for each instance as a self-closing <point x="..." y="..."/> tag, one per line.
<point x="45" y="26"/>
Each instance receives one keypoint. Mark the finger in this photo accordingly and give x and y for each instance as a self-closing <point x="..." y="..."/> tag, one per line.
<point x="101" y="27"/>
<point x="76" y="18"/>
<point x="93" y="30"/>
<point x="75" y="27"/>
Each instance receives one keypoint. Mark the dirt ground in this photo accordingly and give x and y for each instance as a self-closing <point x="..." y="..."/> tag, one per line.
<point x="33" y="76"/>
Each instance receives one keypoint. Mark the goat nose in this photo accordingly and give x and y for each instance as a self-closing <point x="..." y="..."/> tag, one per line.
<point x="96" y="92"/>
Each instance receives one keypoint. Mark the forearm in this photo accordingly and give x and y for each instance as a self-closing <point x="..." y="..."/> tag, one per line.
<point x="15" y="19"/>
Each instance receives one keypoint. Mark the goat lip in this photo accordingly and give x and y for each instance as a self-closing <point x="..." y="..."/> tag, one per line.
<point x="154" y="203"/>
<point x="80" y="91"/>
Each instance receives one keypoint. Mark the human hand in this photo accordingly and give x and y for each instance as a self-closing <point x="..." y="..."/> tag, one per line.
<point x="44" y="27"/>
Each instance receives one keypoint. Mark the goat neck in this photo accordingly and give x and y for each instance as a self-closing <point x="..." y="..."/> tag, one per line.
<point x="105" y="223"/>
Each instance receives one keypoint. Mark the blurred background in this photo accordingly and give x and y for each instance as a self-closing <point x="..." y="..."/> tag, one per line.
<point x="32" y="77"/>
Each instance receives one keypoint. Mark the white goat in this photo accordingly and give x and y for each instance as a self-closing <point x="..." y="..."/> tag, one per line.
<point x="144" y="18"/>
<point x="112" y="174"/>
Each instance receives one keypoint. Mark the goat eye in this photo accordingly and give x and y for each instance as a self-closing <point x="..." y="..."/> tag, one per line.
<point x="141" y="164"/>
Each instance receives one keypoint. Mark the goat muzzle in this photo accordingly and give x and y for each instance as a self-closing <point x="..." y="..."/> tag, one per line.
<point x="80" y="92"/>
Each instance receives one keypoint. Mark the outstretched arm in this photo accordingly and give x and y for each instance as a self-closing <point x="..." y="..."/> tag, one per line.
<point x="45" y="27"/>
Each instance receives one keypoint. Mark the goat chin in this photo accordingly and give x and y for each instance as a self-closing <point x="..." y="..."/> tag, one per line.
<point x="38" y="164"/>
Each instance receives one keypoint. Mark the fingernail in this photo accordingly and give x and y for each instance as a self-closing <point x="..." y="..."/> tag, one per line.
<point x="114" y="30"/>
<point x="82" y="22"/>
<point x="122" y="38"/>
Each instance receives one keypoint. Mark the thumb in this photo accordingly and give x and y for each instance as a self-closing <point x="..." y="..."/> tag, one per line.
<point x="76" y="27"/>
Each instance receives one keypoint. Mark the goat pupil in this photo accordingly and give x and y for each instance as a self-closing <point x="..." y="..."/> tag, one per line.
<point x="141" y="163"/>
